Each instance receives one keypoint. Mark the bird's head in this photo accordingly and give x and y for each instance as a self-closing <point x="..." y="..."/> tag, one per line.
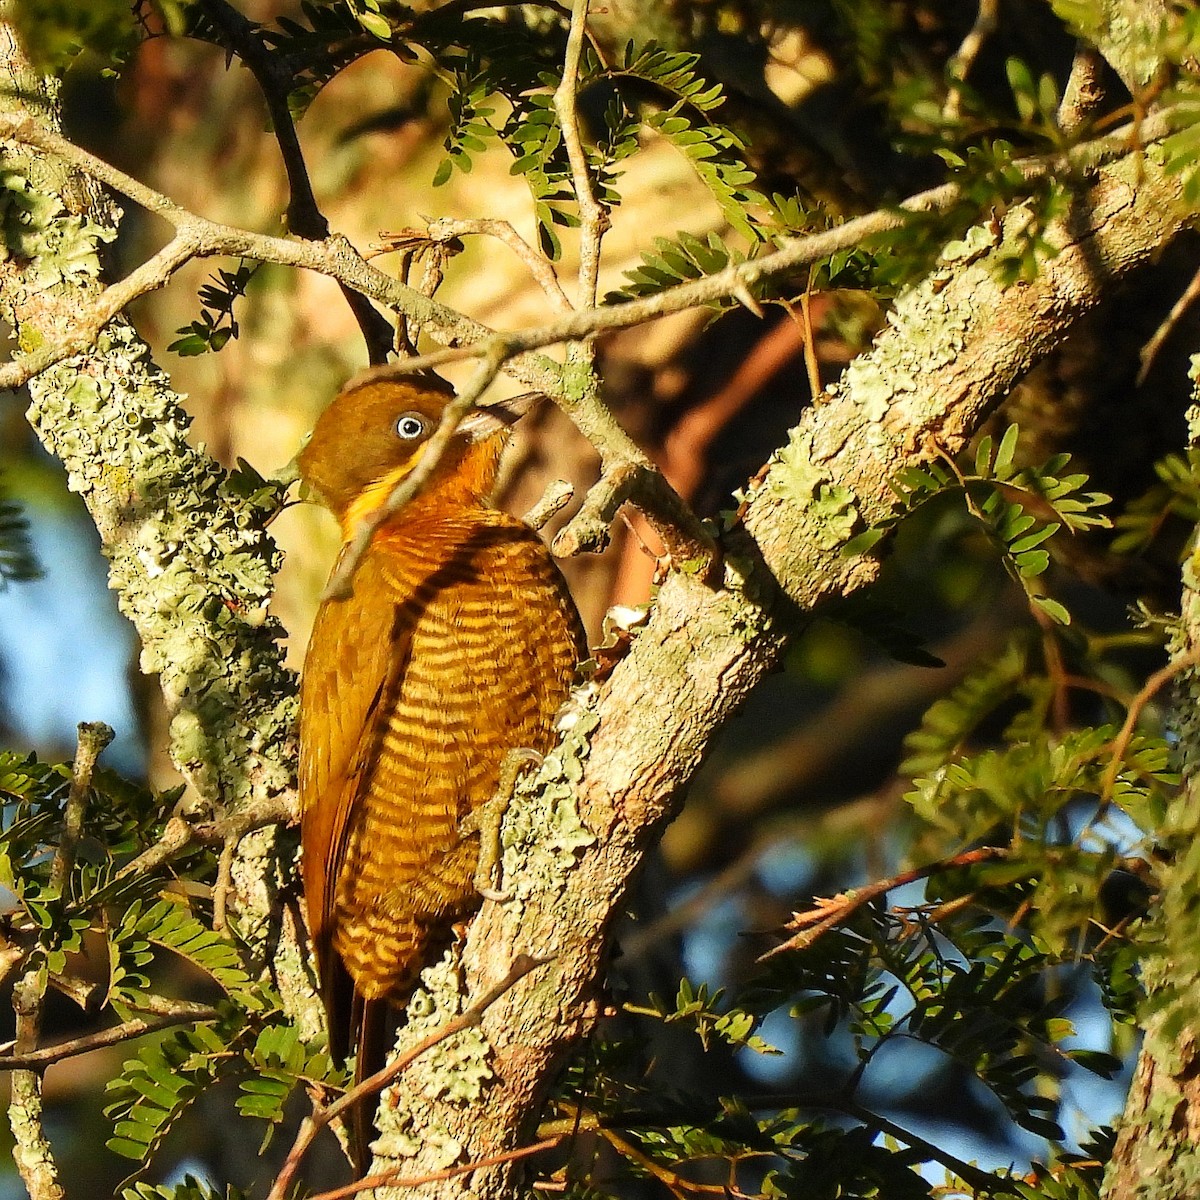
<point x="373" y="434"/>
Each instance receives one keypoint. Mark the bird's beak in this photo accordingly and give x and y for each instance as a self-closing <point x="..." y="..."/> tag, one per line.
<point x="504" y="414"/>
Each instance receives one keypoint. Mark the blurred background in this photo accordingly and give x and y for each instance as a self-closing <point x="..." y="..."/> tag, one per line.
<point x="839" y="102"/>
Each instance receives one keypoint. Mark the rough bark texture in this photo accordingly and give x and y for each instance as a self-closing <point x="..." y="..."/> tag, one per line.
<point x="188" y="558"/>
<point x="1157" y="1155"/>
<point x="954" y="347"/>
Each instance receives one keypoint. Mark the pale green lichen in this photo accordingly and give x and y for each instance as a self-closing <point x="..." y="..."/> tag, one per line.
<point x="796" y="479"/>
<point x="542" y="833"/>
<point x="455" y="1070"/>
<point x="53" y="245"/>
<point x="793" y="473"/>
<point x="189" y="561"/>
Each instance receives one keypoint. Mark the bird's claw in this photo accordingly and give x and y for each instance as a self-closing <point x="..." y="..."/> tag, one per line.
<point x="486" y="820"/>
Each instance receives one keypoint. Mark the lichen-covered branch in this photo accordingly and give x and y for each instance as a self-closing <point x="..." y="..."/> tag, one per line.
<point x="575" y="838"/>
<point x="31" y="1148"/>
<point x="188" y="558"/>
<point x="1157" y="1155"/>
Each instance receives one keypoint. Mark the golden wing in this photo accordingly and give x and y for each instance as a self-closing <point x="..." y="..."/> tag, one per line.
<point x="357" y="647"/>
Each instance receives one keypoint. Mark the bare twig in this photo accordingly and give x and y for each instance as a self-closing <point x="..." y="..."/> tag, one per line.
<point x="819" y="920"/>
<point x="592" y="217"/>
<point x="1155" y="344"/>
<point x="382" y="1078"/>
<point x="224" y="883"/>
<point x="588" y="529"/>
<point x="959" y="67"/>
<point x="543" y="274"/>
<point x="126" y="1031"/>
<point x="93" y="737"/>
<point x="178" y="835"/>
<point x="1120" y="744"/>
<point x="396" y="1179"/>
<point x="554" y="499"/>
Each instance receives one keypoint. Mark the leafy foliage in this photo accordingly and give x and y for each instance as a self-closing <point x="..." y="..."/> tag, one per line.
<point x="1021" y="508"/>
<point x="17" y="560"/>
<point x="189" y="1188"/>
<point x="673" y="262"/>
<point x="1175" y="497"/>
<point x="216" y="324"/>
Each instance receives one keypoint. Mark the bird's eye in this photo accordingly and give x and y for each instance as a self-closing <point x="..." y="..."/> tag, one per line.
<point x="410" y="426"/>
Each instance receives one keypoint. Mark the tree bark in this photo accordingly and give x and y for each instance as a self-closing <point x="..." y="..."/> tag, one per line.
<point x="955" y="345"/>
<point x="188" y="557"/>
<point x="1157" y="1155"/>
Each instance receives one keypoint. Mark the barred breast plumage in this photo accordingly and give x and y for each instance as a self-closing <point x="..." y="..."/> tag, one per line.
<point x="457" y="645"/>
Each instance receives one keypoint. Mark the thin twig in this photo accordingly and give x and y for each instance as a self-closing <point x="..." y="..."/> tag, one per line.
<point x="593" y="220"/>
<point x="959" y="67"/>
<point x="340" y="582"/>
<point x="1120" y="743"/>
<point x="588" y="529"/>
<point x="124" y="1032"/>
<point x="543" y="274"/>
<point x="1155" y="344"/>
<point x="381" y="1079"/>
<point x="178" y="835"/>
<point x="395" y="1178"/>
<point x="93" y="736"/>
<point x="828" y="913"/>
<point x="224" y="883"/>
<point x="555" y="498"/>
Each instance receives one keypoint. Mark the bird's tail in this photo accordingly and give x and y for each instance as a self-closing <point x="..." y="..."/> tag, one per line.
<point x="369" y="1034"/>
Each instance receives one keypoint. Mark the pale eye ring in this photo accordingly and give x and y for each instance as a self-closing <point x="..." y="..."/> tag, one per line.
<point x="410" y="426"/>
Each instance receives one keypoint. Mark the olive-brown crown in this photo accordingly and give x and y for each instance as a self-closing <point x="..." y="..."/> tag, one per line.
<point x="372" y="435"/>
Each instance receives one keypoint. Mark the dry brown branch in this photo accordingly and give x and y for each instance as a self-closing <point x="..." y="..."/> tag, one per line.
<point x="397" y="1179"/>
<point x="126" y="1031"/>
<point x="1120" y="744"/>
<point x="828" y="913"/>
<point x="538" y="266"/>
<point x="1164" y="331"/>
<point x="522" y="965"/>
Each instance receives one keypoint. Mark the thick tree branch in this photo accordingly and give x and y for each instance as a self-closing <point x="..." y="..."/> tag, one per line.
<point x="1157" y="1154"/>
<point x="958" y="343"/>
<point x="188" y="560"/>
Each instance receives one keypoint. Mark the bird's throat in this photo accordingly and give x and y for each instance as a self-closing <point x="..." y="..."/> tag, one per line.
<point x="465" y="483"/>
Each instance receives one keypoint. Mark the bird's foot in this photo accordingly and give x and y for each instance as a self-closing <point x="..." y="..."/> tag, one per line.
<point x="487" y="818"/>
